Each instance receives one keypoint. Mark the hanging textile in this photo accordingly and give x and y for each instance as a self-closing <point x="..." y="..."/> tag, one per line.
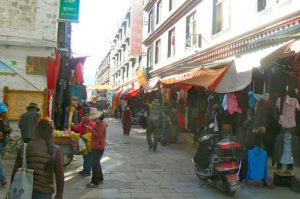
<point x="78" y="69"/>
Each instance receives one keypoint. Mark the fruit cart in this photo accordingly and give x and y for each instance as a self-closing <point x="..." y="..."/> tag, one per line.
<point x="68" y="143"/>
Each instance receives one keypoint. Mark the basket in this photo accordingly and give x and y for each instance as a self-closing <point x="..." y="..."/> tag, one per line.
<point x="59" y="140"/>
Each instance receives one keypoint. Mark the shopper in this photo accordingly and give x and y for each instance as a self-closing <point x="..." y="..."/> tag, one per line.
<point x="28" y="121"/>
<point x="98" y="146"/>
<point x="47" y="162"/>
<point x="153" y="125"/>
<point x="126" y="121"/>
<point x="5" y="130"/>
<point x="82" y="129"/>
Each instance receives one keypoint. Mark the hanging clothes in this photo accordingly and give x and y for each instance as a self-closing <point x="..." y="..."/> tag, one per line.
<point x="258" y="80"/>
<point x="233" y="106"/>
<point x="288" y="112"/>
<point x="279" y="148"/>
<point x="257" y="164"/>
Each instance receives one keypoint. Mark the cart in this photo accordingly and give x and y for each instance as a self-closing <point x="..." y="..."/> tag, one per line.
<point x="69" y="147"/>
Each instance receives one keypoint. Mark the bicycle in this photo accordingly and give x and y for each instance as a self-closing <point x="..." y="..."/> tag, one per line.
<point x="12" y="145"/>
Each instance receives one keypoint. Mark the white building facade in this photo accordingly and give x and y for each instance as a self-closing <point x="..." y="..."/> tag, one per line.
<point x="125" y="53"/>
<point x="28" y="28"/>
<point x="179" y="32"/>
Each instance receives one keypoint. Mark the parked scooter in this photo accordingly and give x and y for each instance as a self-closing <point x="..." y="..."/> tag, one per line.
<point x="217" y="162"/>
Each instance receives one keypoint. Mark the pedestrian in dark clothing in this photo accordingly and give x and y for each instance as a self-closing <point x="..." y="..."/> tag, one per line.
<point x="153" y="125"/>
<point x="98" y="146"/>
<point x="28" y="121"/>
<point x="5" y="130"/>
<point x="46" y="160"/>
<point x="126" y="120"/>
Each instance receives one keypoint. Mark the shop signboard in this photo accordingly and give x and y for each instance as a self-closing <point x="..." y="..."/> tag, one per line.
<point x="69" y="10"/>
<point x="136" y="27"/>
<point x="8" y="67"/>
<point x="142" y="77"/>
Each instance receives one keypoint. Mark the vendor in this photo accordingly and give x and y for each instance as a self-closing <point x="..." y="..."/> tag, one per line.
<point x="73" y="113"/>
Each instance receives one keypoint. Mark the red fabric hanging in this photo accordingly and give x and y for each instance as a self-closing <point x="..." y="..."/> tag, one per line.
<point x="53" y="70"/>
<point x="78" y="69"/>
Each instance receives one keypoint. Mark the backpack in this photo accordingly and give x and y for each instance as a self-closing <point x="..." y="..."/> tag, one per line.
<point x="154" y="116"/>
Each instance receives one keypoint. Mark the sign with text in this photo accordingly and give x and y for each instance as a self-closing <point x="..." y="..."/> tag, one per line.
<point x="69" y="10"/>
<point x="142" y="77"/>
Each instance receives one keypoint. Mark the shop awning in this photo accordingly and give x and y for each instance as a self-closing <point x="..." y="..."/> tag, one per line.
<point x="99" y="87"/>
<point x="281" y="51"/>
<point x="152" y="84"/>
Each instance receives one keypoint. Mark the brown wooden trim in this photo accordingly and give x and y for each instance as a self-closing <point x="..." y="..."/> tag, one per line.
<point x="178" y="14"/>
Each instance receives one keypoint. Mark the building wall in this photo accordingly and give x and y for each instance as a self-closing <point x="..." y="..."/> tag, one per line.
<point x="27" y="28"/>
<point x="29" y="20"/>
<point x="243" y="18"/>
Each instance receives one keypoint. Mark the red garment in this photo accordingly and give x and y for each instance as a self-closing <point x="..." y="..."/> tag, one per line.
<point x="81" y="127"/>
<point x="53" y="70"/>
<point x="79" y="73"/>
<point x="181" y="121"/>
<point x="99" y="135"/>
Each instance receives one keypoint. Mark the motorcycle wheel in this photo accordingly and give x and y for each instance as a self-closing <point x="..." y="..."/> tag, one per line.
<point x="228" y="191"/>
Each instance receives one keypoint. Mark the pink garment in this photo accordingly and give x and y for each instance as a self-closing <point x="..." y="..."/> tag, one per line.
<point x="287" y="117"/>
<point x="81" y="127"/>
<point x="233" y="106"/>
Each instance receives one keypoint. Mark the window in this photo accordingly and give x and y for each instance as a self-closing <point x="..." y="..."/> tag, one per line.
<point x="158" y="11"/>
<point x="150" y="21"/>
<point x="221" y="15"/>
<point x="157" y="51"/>
<point x="171" y="43"/>
<point x="171" y="4"/>
<point x="191" y="34"/>
<point x="149" y="58"/>
<point x="261" y="5"/>
<point x="218" y="16"/>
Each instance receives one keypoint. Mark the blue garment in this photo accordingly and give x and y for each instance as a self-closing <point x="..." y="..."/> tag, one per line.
<point x="39" y="195"/>
<point x="111" y="97"/>
<point x="252" y="100"/>
<point x="257" y="164"/>
<point x="287" y="154"/>
<point x="87" y="163"/>
<point x="2" y="178"/>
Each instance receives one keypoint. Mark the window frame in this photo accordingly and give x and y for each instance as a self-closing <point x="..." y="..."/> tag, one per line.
<point x="171" y="52"/>
<point x="157" y="55"/>
<point x="158" y="11"/>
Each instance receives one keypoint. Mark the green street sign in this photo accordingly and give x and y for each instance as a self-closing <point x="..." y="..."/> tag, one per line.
<point x="69" y="10"/>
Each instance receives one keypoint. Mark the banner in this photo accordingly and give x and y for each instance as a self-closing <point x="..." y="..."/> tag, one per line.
<point x="69" y="10"/>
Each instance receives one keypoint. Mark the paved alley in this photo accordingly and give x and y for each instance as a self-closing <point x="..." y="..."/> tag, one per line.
<point x="132" y="171"/>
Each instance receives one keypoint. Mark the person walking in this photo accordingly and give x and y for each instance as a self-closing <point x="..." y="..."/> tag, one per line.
<point x="5" y="130"/>
<point x="126" y="121"/>
<point x="87" y="154"/>
<point x="28" y="121"/>
<point x="98" y="146"/>
<point x="153" y="125"/>
<point x="46" y="160"/>
<point x="166" y="123"/>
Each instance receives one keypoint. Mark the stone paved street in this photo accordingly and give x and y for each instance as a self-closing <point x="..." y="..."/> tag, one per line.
<point x="132" y="171"/>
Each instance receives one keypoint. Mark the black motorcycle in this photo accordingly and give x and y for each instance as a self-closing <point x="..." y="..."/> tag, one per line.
<point x="217" y="162"/>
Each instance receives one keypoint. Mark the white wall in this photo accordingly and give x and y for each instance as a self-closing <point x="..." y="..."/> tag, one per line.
<point x="243" y="18"/>
<point x="29" y="20"/>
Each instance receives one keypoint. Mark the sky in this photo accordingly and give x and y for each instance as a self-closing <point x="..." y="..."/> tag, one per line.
<point x="92" y="36"/>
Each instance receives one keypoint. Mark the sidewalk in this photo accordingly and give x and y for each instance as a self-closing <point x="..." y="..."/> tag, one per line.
<point x="131" y="171"/>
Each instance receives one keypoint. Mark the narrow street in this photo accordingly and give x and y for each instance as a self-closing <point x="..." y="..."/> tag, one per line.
<point x="132" y="171"/>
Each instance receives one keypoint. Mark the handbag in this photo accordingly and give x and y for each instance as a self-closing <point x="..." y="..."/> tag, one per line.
<point x="22" y="184"/>
<point x="82" y="144"/>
